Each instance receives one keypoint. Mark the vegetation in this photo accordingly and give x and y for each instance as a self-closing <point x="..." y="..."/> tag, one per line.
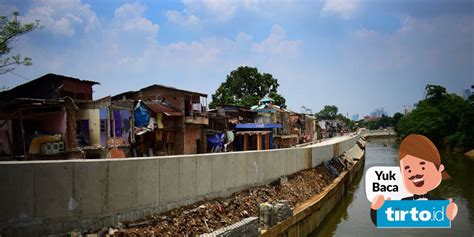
<point x="447" y="119"/>
<point x="245" y="86"/>
<point x="329" y="112"/>
<point x="383" y="122"/>
<point x="9" y="30"/>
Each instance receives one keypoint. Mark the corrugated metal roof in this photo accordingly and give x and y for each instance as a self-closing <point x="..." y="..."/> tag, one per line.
<point x="162" y="108"/>
<point x="176" y="89"/>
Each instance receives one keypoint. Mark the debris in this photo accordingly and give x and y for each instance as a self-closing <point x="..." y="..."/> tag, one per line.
<point x="283" y="180"/>
<point x="273" y="202"/>
<point x="470" y="154"/>
<point x="112" y="231"/>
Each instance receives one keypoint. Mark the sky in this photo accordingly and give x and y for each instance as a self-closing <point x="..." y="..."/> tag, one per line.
<point x="356" y="54"/>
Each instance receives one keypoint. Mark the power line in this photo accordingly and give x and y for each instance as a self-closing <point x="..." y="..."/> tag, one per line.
<point x="20" y="76"/>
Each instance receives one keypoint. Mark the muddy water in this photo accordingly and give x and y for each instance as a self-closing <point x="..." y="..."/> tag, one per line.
<point x="351" y="215"/>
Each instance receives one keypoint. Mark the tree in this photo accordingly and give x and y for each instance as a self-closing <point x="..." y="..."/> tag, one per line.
<point x="328" y="112"/>
<point x="445" y="118"/>
<point x="396" y="119"/>
<point x="9" y="30"/>
<point x="434" y="93"/>
<point x="245" y="86"/>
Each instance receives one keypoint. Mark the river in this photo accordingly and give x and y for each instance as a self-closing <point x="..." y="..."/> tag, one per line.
<point x="351" y="217"/>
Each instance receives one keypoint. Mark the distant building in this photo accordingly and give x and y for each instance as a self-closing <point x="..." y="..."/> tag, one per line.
<point x="378" y="113"/>
<point x="355" y="117"/>
<point x="408" y="109"/>
<point x="466" y="94"/>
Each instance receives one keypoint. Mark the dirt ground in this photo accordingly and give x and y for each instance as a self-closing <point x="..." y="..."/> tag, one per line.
<point x="209" y="215"/>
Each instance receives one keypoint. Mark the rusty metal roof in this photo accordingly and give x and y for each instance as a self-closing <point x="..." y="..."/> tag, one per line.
<point x="158" y="107"/>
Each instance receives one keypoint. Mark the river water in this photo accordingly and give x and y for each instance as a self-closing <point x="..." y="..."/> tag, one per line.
<point x="351" y="216"/>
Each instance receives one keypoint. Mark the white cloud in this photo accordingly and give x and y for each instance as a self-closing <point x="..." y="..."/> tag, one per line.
<point x="182" y="18"/>
<point x="277" y="44"/>
<point x="343" y="8"/>
<point x="128" y="46"/>
<point x="243" y="37"/>
<point x="129" y="10"/>
<point x="221" y="10"/>
<point x="130" y="18"/>
<point x="214" y="10"/>
<point x="365" y="34"/>
<point x="141" y="24"/>
<point x="64" y="26"/>
<point x="62" y="17"/>
<point x="427" y="44"/>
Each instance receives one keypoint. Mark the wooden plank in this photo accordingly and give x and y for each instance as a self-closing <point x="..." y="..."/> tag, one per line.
<point x="267" y="141"/>
<point x="259" y="141"/>
<point x="246" y="142"/>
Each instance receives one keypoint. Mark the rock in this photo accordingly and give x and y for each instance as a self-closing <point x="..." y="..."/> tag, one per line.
<point x="112" y="231"/>
<point x="470" y="154"/>
<point x="266" y="215"/>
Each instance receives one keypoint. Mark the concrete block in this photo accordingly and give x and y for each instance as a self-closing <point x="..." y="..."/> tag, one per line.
<point x="204" y="175"/>
<point x="53" y="189"/>
<point x="169" y="180"/>
<point x="246" y="227"/>
<point x="17" y="192"/>
<point x="187" y="177"/>
<point x="90" y="182"/>
<point x="122" y="185"/>
<point x="148" y="182"/>
<point x="218" y="173"/>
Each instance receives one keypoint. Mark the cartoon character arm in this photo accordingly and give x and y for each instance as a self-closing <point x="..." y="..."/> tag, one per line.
<point x="373" y="216"/>
<point x="376" y="204"/>
<point x="451" y="210"/>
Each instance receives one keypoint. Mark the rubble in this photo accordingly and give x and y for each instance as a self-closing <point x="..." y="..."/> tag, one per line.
<point x="470" y="154"/>
<point x="209" y="215"/>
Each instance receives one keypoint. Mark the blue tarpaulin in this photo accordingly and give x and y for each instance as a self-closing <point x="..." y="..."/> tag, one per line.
<point x="216" y="140"/>
<point x="141" y="115"/>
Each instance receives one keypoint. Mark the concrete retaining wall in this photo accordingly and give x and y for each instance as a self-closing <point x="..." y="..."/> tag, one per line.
<point x="50" y="197"/>
<point x="309" y="215"/>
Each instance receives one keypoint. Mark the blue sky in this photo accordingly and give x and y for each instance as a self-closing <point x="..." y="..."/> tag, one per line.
<point x="358" y="55"/>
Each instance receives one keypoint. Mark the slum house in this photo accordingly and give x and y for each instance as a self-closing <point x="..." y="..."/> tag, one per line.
<point x="223" y="120"/>
<point x="296" y="127"/>
<point x="309" y="131"/>
<point x="42" y="118"/>
<point x="168" y="121"/>
<point x="266" y="129"/>
<point x="330" y="128"/>
<point x="284" y="134"/>
<point x="301" y="125"/>
<point x="112" y="128"/>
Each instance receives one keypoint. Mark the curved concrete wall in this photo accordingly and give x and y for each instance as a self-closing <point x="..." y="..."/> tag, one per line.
<point x="45" y="197"/>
